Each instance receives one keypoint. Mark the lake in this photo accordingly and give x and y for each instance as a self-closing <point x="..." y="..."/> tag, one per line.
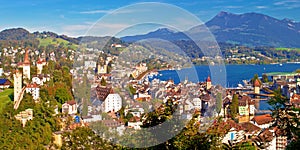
<point x="227" y="76"/>
<point x="230" y="75"/>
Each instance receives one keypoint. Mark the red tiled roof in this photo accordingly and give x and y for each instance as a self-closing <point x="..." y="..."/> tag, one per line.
<point x="26" y="58"/>
<point x="72" y="102"/>
<point x="263" y="119"/>
<point x="34" y="85"/>
<point x="208" y="79"/>
<point x="249" y="127"/>
<point x="103" y="91"/>
<point x="256" y="83"/>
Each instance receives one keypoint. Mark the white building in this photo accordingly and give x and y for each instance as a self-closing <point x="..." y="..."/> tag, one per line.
<point x="34" y="90"/>
<point x="113" y="102"/>
<point x="197" y="103"/>
<point x="70" y="107"/>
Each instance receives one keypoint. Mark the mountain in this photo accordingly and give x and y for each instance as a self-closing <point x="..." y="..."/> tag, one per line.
<point x="255" y="29"/>
<point x="162" y="33"/>
<point x="250" y="29"/>
<point x="15" y="34"/>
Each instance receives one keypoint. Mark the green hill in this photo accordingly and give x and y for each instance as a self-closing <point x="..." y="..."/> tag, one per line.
<point x="5" y="97"/>
<point x="56" y="41"/>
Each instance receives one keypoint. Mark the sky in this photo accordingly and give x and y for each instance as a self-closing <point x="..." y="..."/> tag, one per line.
<point x="77" y="17"/>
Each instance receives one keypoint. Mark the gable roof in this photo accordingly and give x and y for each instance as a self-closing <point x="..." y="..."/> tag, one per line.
<point x="4" y="82"/>
<point x="262" y="119"/>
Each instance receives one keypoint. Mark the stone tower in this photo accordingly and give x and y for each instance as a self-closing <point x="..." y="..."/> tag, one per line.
<point x="17" y="84"/>
<point x="39" y="65"/>
<point x="26" y="66"/>
<point x="256" y="86"/>
<point x="208" y="83"/>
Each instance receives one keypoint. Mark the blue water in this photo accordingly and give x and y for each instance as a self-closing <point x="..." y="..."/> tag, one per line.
<point x="227" y="76"/>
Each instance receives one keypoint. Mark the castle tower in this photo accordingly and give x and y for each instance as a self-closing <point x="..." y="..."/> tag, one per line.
<point x="208" y="83"/>
<point x="17" y="84"/>
<point x="39" y="65"/>
<point x="26" y="66"/>
<point x="256" y="86"/>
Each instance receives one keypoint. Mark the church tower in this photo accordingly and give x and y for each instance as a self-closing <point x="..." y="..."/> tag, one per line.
<point x="26" y="66"/>
<point x="17" y="84"/>
<point x="256" y="86"/>
<point x="208" y="83"/>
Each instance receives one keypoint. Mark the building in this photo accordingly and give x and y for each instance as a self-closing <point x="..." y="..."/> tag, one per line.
<point x="40" y="64"/>
<point x="24" y="116"/>
<point x="70" y="107"/>
<point x="34" y="90"/>
<point x="4" y="83"/>
<point x="102" y="92"/>
<point x="102" y="69"/>
<point x="26" y="66"/>
<point x="113" y="102"/>
<point x="256" y="86"/>
<point x="17" y="85"/>
<point x="262" y="121"/>
<point x="208" y="83"/>
<point x="243" y="105"/>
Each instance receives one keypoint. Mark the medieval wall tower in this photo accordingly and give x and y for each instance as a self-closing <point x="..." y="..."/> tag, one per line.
<point x="17" y="85"/>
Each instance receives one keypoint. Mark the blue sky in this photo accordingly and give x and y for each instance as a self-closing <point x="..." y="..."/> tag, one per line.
<point x="75" y="17"/>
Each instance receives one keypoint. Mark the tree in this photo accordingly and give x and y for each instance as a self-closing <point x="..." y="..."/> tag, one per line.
<point x="103" y="82"/>
<point x="286" y="117"/>
<point x="62" y="95"/>
<point x="234" y="106"/>
<point x="84" y="138"/>
<point x="219" y="102"/>
<point x="265" y="78"/>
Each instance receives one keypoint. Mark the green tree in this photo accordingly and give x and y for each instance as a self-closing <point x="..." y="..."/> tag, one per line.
<point x="286" y="117"/>
<point x="62" y="95"/>
<point x="219" y="103"/>
<point x="234" y="106"/>
<point x="265" y="78"/>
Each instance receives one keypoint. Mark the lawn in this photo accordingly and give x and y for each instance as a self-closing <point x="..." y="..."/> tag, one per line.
<point x="287" y="49"/>
<point x="56" y="41"/>
<point x="4" y="97"/>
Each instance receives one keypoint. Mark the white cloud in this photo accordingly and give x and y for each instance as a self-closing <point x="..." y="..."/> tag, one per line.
<point x="96" y="12"/>
<point x="261" y="7"/>
<point x="288" y="4"/>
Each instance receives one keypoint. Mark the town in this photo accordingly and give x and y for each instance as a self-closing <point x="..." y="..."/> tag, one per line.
<point x="115" y="100"/>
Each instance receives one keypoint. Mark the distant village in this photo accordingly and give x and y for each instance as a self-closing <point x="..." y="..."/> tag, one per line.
<point x="129" y="89"/>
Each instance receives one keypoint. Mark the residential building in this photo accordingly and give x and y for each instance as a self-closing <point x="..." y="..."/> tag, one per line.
<point x="113" y="102"/>
<point x="263" y="121"/>
<point x="34" y="90"/>
<point x="70" y="107"/>
<point x="4" y="83"/>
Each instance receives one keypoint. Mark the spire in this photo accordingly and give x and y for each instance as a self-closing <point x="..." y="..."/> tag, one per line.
<point x="208" y="79"/>
<point x="256" y="83"/>
<point x="26" y="58"/>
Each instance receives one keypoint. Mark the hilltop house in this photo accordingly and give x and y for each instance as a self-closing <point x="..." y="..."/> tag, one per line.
<point x="70" y="107"/>
<point x="34" y="90"/>
<point x="4" y="83"/>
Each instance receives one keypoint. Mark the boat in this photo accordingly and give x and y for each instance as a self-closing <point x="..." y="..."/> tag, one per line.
<point x="280" y="65"/>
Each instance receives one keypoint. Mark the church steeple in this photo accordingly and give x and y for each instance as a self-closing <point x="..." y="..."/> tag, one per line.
<point x="26" y="66"/>
<point x="26" y="58"/>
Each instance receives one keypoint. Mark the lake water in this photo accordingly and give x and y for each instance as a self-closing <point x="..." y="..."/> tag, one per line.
<point x="230" y="75"/>
<point x="227" y="76"/>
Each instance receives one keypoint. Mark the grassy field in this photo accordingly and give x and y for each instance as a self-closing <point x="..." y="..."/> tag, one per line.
<point x="56" y="42"/>
<point x="4" y="97"/>
<point x="287" y="49"/>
